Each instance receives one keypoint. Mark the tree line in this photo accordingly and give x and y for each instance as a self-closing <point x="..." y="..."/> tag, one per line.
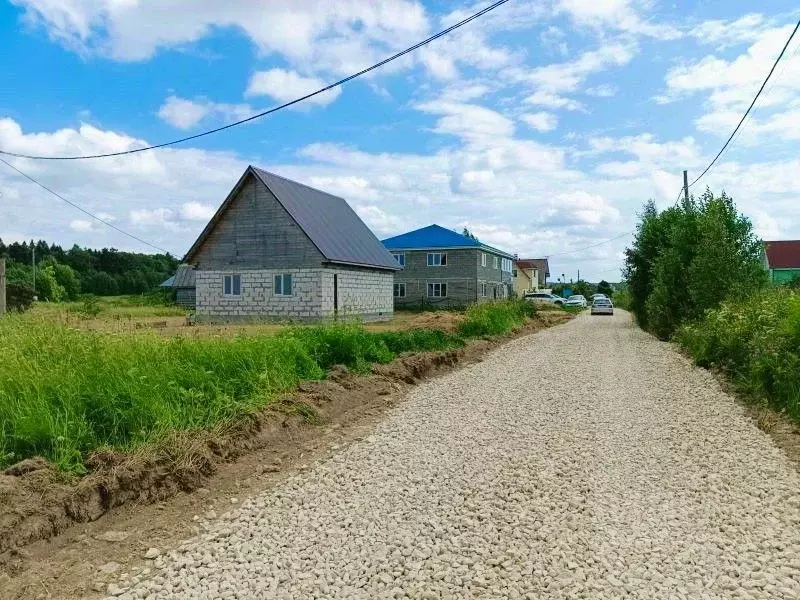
<point x="66" y="274"/>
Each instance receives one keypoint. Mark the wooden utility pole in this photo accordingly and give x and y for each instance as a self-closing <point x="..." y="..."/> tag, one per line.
<point x="686" y="187"/>
<point x="2" y="286"/>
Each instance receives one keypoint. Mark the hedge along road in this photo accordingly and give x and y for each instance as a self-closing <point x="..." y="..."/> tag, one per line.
<point x="586" y="461"/>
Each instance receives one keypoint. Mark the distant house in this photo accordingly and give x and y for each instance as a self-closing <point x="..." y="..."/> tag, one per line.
<point x="183" y="282"/>
<point x="442" y="267"/>
<point x="782" y="260"/>
<point x="278" y="249"/>
<point x="530" y="274"/>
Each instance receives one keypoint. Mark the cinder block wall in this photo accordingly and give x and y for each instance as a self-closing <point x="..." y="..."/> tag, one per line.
<point x="363" y="293"/>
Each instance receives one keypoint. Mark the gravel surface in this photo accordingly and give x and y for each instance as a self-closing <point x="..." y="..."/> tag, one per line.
<point x="586" y="461"/>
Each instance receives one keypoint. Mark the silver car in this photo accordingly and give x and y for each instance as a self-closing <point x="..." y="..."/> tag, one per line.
<point x="576" y="301"/>
<point x="602" y="306"/>
<point x="544" y="297"/>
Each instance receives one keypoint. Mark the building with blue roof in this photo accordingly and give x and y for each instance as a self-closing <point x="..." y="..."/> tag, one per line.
<point x="442" y="267"/>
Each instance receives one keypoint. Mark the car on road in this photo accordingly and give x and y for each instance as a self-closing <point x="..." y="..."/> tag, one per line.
<point x="576" y="301"/>
<point x="544" y="297"/>
<point x="602" y="306"/>
<point x="596" y="296"/>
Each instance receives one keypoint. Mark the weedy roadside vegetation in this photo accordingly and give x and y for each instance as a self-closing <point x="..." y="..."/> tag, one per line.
<point x="66" y="391"/>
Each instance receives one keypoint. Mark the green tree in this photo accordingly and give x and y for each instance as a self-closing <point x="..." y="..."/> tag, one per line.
<point x="469" y="234"/>
<point x="605" y="288"/>
<point x="67" y="279"/>
<point x="47" y="287"/>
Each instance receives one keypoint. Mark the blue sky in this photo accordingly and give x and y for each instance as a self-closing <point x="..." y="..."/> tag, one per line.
<point x="543" y="126"/>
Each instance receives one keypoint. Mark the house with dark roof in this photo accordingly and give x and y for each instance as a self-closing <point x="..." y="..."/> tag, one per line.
<point x="278" y="249"/>
<point x="530" y="274"/>
<point x="184" y="285"/>
<point x="442" y="267"/>
<point x="782" y="260"/>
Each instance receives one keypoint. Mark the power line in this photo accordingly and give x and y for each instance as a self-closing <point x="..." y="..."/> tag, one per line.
<point x="588" y="247"/>
<point x="83" y="210"/>
<point x="408" y="50"/>
<point x="749" y="108"/>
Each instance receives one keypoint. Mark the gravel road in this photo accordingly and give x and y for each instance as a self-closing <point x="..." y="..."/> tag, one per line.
<point x="586" y="461"/>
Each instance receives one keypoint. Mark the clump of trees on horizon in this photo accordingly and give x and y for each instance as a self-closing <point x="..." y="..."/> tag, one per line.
<point x="66" y="274"/>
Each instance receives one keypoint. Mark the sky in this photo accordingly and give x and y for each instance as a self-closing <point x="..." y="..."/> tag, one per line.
<point x="543" y="126"/>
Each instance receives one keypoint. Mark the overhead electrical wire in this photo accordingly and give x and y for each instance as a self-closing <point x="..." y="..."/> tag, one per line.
<point x="588" y="247"/>
<point x="83" y="210"/>
<point x="749" y="108"/>
<point x="275" y="109"/>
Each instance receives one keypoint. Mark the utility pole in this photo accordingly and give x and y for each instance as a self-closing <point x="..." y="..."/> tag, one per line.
<point x="2" y="286"/>
<point x="686" y="186"/>
<point x="579" y="274"/>
<point x="33" y="258"/>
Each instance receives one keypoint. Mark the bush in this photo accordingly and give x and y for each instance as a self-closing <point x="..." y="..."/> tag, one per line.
<point x="756" y="341"/>
<point x="495" y="318"/>
<point x="19" y="296"/>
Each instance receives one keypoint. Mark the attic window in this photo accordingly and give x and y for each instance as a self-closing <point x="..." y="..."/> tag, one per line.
<point x="232" y="285"/>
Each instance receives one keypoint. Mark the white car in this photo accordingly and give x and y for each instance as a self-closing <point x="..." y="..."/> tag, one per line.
<point x="576" y="301"/>
<point x="544" y="297"/>
<point x="596" y="296"/>
<point x="602" y="306"/>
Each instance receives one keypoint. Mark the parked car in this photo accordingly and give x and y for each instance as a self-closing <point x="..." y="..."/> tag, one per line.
<point x="576" y="301"/>
<point x="596" y="296"/>
<point x="544" y="297"/>
<point x="602" y="306"/>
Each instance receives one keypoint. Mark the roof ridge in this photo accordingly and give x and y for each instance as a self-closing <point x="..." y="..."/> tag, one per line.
<point x="292" y="181"/>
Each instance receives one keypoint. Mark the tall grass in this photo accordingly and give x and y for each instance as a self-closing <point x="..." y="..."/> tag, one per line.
<point x="65" y="392"/>
<point x="756" y="341"/>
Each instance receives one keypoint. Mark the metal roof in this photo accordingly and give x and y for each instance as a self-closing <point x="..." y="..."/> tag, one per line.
<point x="167" y="282"/>
<point x="783" y="254"/>
<point x="435" y="237"/>
<point x="329" y="222"/>
<point x="184" y="277"/>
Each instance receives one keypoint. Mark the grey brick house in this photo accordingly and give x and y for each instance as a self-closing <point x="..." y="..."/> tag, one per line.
<point x="442" y="267"/>
<point x="278" y="249"/>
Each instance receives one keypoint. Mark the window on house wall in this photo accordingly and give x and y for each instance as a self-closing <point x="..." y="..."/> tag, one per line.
<point x="494" y="262"/>
<point x="483" y="259"/>
<point x="437" y="259"/>
<point x="437" y="290"/>
<point x="232" y="285"/>
<point x="483" y="290"/>
<point x="399" y="290"/>
<point x="507" y="265"/>
<point x="283" y="285"/>
<point x="400" y="258"/>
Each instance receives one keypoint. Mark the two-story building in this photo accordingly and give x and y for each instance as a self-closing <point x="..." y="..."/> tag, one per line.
<point x="442" y="267"/>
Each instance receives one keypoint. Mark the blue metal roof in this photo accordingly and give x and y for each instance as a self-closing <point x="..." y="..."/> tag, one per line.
<point x="433" y="237"/>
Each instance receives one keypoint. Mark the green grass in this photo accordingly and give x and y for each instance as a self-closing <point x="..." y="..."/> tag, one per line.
<point x="756" y="341"/>
<point x="66" y="391"/>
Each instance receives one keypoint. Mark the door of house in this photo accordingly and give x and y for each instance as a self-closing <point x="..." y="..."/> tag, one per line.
<point x="335" y="296"/>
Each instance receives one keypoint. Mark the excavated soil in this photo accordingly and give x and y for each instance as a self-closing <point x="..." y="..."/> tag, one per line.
<point x="38" y="502"/>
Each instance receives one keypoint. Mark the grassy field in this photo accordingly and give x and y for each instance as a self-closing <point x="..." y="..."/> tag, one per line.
<point x="756" y="341"/>
<point x="67" y="389"/>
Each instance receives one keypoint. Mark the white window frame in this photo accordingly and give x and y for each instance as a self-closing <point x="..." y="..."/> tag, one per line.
<point x="231" y="278"/>
<point x="495" y="262"/>
<point x="439" y="286"/>
<point x="483" y="289"/>
<point x="483" y="259"/>
<point x="282" y="278"/>
<point x="400" y="258"/>
<point x="399" y="287"/>
<point x="431" y="259"/>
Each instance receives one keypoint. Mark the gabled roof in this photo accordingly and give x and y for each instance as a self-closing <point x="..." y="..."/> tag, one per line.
<point x="783" y="254"/>
<point x="435" y="237"/>
<point x="534" y="263"/>
<point x="328" y="221"/>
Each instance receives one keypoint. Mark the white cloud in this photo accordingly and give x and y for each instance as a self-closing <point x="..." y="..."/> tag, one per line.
<point x="604" y="90"/>
<point x="474" y="123"/>
<point x="724" y="34"/>
<point x="283" y="86"/>
<point x="541" y="121"/>
<point x="185" y="114"/>
<point x="195" y="211"/>
<point x="333" y="35"/>
<point x="615" y="14"/>
<point x="730" y="85"/>
<point x="80" y="225"/>
<point x="548" y="100"/>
